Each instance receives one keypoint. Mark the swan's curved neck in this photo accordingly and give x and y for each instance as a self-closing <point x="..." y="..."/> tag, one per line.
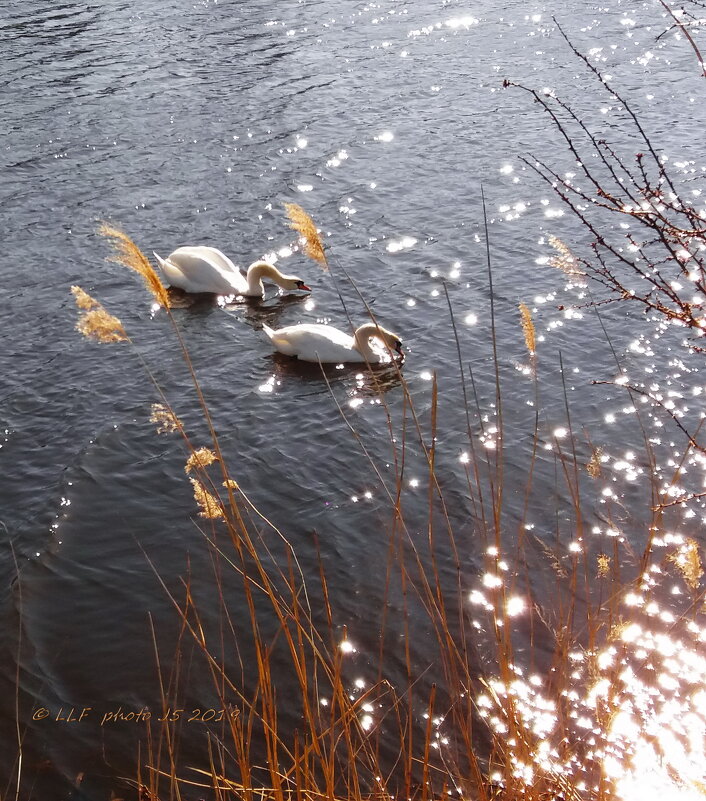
<point x="362" y="335"/>
<point x="263" y="269"/>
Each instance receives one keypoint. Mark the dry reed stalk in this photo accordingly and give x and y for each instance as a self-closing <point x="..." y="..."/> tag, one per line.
<point x="127" y="253"/>
<point x="200" y="459"/>
<point x="528" y="329"/>
<point x="302" y="223"/>
<point x="95" y="322"/>
<point x="165" y="419"/>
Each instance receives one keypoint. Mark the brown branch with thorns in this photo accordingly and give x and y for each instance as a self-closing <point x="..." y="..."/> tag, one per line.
<point x="662" y="258"/>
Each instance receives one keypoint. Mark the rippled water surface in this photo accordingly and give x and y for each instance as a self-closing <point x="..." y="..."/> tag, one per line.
<point x="194" y="123"/>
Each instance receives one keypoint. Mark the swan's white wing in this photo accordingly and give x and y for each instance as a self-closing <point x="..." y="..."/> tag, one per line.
<point x="215" y="256"/>
<point x="204" y="269"/>
<point x="171" y="274"/>
<point x="312" y="342"/>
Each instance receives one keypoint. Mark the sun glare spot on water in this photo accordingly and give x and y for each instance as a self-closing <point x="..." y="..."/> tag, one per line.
<point x="466" y="21"/>
<point x="405" y="243"/>
<point x="515" y="606"/>
<point x="385" y="136"/>
<point x="553" y="213"/>
<point x="636" y="702"/>
<point x="335" y="161"/>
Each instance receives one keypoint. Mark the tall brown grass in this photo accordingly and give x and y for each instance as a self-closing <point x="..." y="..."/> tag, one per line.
<point x="479" y="726"/>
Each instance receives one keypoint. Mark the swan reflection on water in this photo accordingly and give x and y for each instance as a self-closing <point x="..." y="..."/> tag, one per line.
<point x="255" y="311"/>
<point x="360" y="381"/>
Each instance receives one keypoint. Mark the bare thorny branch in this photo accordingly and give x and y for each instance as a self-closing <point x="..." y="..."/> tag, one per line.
<point x="647" y="238"/>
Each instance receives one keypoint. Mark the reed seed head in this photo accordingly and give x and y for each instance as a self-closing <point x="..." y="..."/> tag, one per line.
<point x="127" y="253"/>
<point x="231" y="484"/>
<point x="209" y="504"/>
<point x="593" y="466"/>
<point x="302" y="223"/>
<point x="528" y="329"/>
<point x="603" y="565"/>
<point x="95" y="322"/>
<point x="164" y="418"/>
<point x="200" y="459"/>
<point x="564" y="259"/>
<point x="83" y="299"/>
<point x="688" y="562"/>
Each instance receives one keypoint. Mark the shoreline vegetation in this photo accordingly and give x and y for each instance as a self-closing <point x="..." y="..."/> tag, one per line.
<point x="597" y="695"/>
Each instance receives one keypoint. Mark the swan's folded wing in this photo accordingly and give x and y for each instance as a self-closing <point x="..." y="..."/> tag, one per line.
<point x="204" y="273"/>
<point x="314" y="342"/>
<point x="172" y="275"/>
<point x="216" y="257"/>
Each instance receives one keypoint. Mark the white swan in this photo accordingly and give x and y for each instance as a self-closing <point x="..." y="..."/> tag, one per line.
<point x="312" y="342"/>
<point x="204" y="269"/>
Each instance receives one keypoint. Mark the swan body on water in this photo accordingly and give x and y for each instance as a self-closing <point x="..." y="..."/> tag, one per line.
<point x="205" y="269"/>
<point x="312" y="342"/>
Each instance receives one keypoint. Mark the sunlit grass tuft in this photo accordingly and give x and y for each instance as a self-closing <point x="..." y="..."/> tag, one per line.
<point x="603" y="565"/>
<point x="564" y="259"/>
<point x="687" y="560"/>
<point x="199" y="459"/>
<point x="593" y="466"/>
<point x="209" y="505"/>
<point x="95" y="322"/>
<point x="528" y="329"/>
<point x="302" y="223"/>
<point x="127" y="253"/>
<point x="165" y="419"/>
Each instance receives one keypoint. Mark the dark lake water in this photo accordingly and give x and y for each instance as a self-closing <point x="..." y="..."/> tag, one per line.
<point x="193" y="123"/>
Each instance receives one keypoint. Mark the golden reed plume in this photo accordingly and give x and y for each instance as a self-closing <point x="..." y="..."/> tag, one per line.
<point x="528" y="329"/>
<point x="129" y="255"/>
<point x="593" y="466"/>
<point x="164" y="418"/>
<point x="302" y="223"/>
<point x="209" y="505"/>
<point x="603" y="562"/>
<point x="564" y="259"/>
<point x="688" y="562"/>
<point x="95" y="322"/>
<point x="199" y="459"/>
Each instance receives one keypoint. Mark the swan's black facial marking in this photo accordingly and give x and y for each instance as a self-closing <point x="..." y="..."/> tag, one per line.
<point x="301" y="285"/>
<point x="398" y="347"/>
